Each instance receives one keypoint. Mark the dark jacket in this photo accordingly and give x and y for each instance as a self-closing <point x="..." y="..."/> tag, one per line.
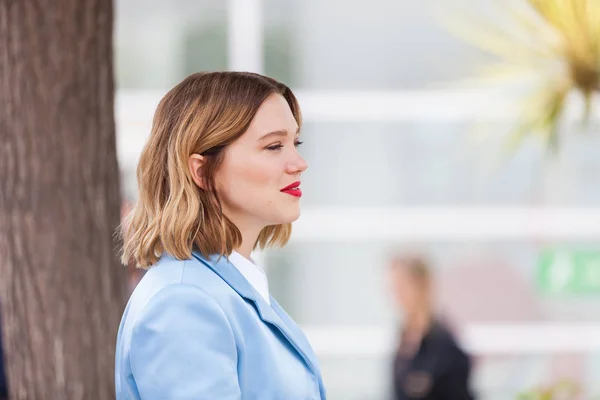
<point x="438" y="370"/>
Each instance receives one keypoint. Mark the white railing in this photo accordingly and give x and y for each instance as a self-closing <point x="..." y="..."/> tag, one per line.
<point x="472" y="224"/>
<point x="477" y="339"/>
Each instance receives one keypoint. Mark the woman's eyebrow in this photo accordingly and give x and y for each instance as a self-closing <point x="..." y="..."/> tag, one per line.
<point x="279" y="133"/>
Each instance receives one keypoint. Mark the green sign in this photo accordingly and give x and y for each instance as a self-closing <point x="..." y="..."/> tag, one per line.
<point x="569" y="272"/>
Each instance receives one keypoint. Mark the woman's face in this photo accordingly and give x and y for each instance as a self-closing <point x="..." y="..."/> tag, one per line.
<point x="259" y="180"/>
<point x="409" y="293"/>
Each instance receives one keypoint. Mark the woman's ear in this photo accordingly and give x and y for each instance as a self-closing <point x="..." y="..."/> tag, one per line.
<point x="195" y="164"/>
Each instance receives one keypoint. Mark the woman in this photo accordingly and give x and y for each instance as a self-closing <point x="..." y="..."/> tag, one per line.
<point x="220" y="175"/>
<point x="428" y="364"/>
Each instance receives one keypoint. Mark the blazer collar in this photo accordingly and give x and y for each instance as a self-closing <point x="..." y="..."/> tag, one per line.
<point x="273" y="315"/>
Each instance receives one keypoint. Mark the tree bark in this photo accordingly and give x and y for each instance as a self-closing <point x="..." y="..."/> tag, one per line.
<point x="61" y="288"/>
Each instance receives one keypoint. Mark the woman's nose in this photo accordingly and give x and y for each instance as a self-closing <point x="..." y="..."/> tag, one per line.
<point x="297" y="165"/>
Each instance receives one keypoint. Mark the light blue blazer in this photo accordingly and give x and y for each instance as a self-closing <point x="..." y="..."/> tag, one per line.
<point x="197" y="329"/>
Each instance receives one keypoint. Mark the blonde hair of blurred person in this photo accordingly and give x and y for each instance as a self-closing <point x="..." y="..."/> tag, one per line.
<point x="412" y="288"/>
<point x="218" y="177"/>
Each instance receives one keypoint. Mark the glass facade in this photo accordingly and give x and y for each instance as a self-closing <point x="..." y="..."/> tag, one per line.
<point x="388" y="46"/>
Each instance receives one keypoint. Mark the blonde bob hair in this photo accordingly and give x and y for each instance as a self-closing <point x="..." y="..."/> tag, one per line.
<point x="201" y="115"/>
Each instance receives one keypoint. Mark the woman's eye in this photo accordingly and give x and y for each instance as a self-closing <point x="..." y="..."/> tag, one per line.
<point x="275" y="147"/>
<point x="278" y="146"/>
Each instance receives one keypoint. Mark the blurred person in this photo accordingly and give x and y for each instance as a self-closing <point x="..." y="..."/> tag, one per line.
<point x="428" y="363"/>
<point x="219" y="175"/>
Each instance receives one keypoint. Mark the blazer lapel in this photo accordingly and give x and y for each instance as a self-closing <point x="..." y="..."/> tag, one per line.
<point x="273" y="315"/>
<point x="297" y="333"/>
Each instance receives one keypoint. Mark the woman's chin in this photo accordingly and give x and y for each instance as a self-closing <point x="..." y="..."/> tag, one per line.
<point x="295" y="216"/>
<point x="290" y="217"/>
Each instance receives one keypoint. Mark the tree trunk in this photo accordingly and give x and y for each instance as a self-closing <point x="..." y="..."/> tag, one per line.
<point x="61" y="288"/>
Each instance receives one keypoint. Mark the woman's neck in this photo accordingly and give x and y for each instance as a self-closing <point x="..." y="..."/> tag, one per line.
<point x="245" y="250"/>
<point x="249" y="238"/>
<point x="419" y="321"/>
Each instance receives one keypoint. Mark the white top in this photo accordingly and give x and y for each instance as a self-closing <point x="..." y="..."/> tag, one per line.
<point x="253" y="274"/>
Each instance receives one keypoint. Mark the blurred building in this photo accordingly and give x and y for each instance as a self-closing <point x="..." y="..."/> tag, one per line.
<point x="399" y="155"/>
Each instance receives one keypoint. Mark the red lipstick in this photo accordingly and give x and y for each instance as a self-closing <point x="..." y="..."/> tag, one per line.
<point x="293" y="189"/>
